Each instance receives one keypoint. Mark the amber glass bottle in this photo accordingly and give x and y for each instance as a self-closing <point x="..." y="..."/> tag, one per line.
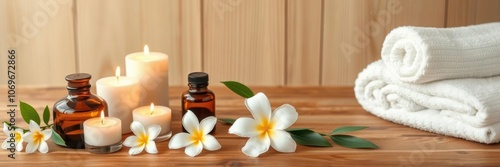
<point x="198" y="98"/>
<point x="71" y="111"/>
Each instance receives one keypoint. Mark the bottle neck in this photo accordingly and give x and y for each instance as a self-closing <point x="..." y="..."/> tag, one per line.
<point x="197" y="88"/>
<point x="82" y="91"/>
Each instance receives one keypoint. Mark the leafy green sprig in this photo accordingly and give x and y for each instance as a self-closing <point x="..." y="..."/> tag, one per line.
<point x="29" y="113"/>
<point x="306" y="136"/>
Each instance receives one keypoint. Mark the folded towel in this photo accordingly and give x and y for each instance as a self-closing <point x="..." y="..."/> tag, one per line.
<point x="465" y="108"/>
<point x="422" y="54"/>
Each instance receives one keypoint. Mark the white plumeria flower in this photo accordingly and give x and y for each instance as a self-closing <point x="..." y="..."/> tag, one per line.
<point x="18" y="138"/>
<point x="198" y="137"/>
<point x="142" y="139"/>
<point x="266" y="129"/>
<point x="37" y="138"/>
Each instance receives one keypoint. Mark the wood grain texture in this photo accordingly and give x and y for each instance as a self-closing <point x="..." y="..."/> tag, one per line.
<point x="467" y="12"/>
<point x="320" y="108"/>
<point x="353" y="38"/>
<point x="107" y="32"/>
<point x="303" y="42"/>
<point x="244" y="41"/>
<point x="42" y="34"/>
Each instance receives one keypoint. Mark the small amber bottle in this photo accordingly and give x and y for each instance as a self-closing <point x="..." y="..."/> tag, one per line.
<point x="198" y="98"/>
<point x="71" y="111"/>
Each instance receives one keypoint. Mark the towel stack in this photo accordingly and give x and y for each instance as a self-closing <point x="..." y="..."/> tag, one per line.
<point x="442" y="80"/>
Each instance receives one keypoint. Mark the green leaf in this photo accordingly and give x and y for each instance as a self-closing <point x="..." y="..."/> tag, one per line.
<point x="239" y="88"/>
<point x="29" y="113"/>
<point x="46" y="115"/>
<point x="56" y="138"/>
<point x="296" y="129"/>
<point x="228" y="121"/>
<point x="308" y="137"/>
<point x="352" y="141"/>
<point x="345" y="129"/>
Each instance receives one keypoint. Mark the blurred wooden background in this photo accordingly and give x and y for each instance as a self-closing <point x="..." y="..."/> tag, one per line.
<point x="257" y="42"/>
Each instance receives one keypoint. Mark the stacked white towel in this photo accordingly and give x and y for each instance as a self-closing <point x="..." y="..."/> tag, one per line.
<point x="467" y="108"/>
<point x="423" y="54"/>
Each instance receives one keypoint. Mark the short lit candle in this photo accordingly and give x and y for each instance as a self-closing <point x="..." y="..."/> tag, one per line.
<point x="122" y="96"/>
<point x="150" y="115"/>
<point x="151" y="68"/>
<point x="103" y="131"/>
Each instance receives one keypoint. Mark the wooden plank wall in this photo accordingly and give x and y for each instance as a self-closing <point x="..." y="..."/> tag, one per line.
<point x="258" y="42"/>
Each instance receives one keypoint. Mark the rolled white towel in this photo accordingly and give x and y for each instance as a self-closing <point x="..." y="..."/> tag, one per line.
<point x="465" y="108"/>
<point x="423" y="54"/>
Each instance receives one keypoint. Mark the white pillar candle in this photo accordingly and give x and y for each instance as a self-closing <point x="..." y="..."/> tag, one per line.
<point x="150" y="115"/>
<point x="122" y="96"/>
<point x="102" y="131"/>
<point x="152" y="70"/>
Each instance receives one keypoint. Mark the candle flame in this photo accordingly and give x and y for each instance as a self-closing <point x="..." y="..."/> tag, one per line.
<point x="152" y="108"/>
<point x="146" y="50"/>
<point x="102" y="117"/>
<point x="117" y="73"/>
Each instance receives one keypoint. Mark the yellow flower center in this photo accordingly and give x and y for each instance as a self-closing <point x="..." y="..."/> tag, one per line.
<point x="37" y="137"/>
<point x="265" y="128"/>
<point x="143" y="139"/>
<point x="17" y="137"/>
<point x="197" y="136"/>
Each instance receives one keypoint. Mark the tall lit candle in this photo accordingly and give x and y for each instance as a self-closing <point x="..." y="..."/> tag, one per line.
<point x="150" y="115"/>
<point x="102" y="131"/>
<point x="152" y="70"/>
<point x="121" y="95"/>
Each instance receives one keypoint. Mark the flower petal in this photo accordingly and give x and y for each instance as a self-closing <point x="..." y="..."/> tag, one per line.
<point x="131" y="141"/>
<point x="210" y="143"/>
<point x="259" y="106"/>
<point x="244" y="127"/>
<point x="282" y="141"/>
<point x="28" y="136"/>
<point x="136" y="150"/>
<point x="43" y="148"/>
<point x="207" y="124"/>
<point x="31" y="147"/>
<point x="34" y="126"/>
<point x="19" y="145"/>
<point x="256" y="146"/>
<point x="153" y="131"/>
<point x="6" y="129"/>
<point x="137" y="128"/>
<point x="5" y="144"/>
<point x="151" y="147"/>
<point x="180" y="140"/>
<point x="193" y="149"/>
<point x="190" y="122"/>
<point x="47" y="133"/>
<point x="284" y="116"/>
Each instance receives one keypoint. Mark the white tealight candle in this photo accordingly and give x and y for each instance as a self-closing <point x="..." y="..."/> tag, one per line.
<point x="102" y="131"/>
<point x="122" y="96"/>
<point x="152" y="70"/>
<point x="150" y="115"/>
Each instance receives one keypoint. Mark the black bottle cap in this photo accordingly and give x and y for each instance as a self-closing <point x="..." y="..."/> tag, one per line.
<point x="198" y="78"/>
<point x="78" y="80"/>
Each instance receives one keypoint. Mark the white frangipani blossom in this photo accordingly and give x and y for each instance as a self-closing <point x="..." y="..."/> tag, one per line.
<point x="266" y="129"/>
<point x="142" y="139"/>
<point x="36" y="138"/>
<point x="18" y="138"/>
<point x="197" y="137"/>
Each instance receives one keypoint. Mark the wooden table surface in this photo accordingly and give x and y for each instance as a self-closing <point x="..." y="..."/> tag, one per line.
<point x="320" y="108"/>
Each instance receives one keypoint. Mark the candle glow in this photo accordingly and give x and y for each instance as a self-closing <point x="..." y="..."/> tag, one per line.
<point x="152" y="108"/>
<point x="117" y="73"/>
<point x="146" y="50"/>
<point x="102" y="117"/>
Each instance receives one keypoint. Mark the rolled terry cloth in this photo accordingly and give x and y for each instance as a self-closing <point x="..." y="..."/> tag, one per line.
<point x="423" y="54"/>
<point x="465" y="108"/>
